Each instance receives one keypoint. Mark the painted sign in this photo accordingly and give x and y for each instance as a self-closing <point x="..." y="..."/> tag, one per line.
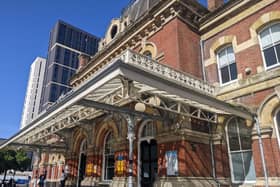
<point x="171" y="163"/>
<point x="120" y="164"/>
<point x="89" y="169"/>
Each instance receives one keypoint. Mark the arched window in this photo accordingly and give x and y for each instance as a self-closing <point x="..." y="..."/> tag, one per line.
<point x="240" y="151"/>
<point x="149" y="130"/>
<point x="270" y="45"/>
<point x="114" y="31"/>
<point x="227" y="65"/>
<point x="277" y="125"/>
<point x="147" y="54"/>
<point x="108" y="158"/>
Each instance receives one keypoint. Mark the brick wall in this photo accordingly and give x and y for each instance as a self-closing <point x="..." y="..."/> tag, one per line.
<point x="194" y="159"/>
<point x="254" y="99"/>
<point x="272" y="157"/>
<point x="241" y="29"/>
<point x="180" y="46"/>
<point x="221" y="160"/>
<point x="250" y="57"/>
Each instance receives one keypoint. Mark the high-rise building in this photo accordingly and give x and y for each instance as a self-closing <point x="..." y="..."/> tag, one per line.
<point x="34" y="91"/>
<point x="66" y="44"/>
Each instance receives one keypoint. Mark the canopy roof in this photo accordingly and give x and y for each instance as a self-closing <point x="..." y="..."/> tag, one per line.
<point x="126" y="79"/>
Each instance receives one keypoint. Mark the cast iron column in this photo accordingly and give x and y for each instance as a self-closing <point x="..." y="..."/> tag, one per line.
<point x="131" y="138"/>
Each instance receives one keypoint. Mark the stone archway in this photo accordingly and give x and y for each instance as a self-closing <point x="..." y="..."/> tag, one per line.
<point x="267" y="110"/>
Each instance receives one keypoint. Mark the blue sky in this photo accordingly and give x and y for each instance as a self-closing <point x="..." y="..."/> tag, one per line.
<point x="24" y="35"/>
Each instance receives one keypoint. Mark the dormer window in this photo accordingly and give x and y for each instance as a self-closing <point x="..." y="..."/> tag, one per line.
<point x="227" y="65"/>
<point x="114" y="31"/>
<point x="148" y="54"/>
<point x="270" y="45"/>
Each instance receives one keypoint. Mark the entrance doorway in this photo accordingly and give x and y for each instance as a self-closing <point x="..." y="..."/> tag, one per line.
<point x="82" y="163"/>
<point x="147" y="154"/>
<point x="149" y="165"/>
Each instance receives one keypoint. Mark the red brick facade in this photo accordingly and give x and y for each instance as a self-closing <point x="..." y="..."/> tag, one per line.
<point x="251" y="57"/>
<point x="180" y="46"/>
<point x="194" y="159"/>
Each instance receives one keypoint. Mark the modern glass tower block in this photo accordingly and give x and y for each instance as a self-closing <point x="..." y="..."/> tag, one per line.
<point x="66" y="44"/>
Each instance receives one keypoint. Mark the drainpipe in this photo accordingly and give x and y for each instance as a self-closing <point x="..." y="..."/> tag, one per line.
<point x="261" y="150"/>
<point x="201" y="44"/>
<point x="212" y="156"/>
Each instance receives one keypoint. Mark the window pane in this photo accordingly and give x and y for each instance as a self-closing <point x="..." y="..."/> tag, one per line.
<point x="275" y="30"/>
<point x="225" y="74"/>
<point x="222" y="58"/>
<point x="250" y="174"/>
<point x="148" y="54"/>
<point x="66" y="60"/>
<point x="233" y="137"/>
<point x="245" y="137"/>
<point x="265" y="38"/>
<point x="233" y="71"/>
<point x="149" y="130"/>
<point x="109" y="158"/>
<point x="270" y="57"/>
<point x="278" y="52"/>
<point x="231" y="57"/>
<point x="57" y="54"/>
<point x="237" y="167"/>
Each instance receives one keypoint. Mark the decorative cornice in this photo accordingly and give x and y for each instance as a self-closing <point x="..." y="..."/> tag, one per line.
<point x="145" y="27"/>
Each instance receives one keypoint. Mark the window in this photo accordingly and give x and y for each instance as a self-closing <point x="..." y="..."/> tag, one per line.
<point x="270" y="45"/>
<point x="277" y="125"/>
<point x="61" y="33"/>
<point x="55" y="73"/>
<point x="109" y="160"/>
<point x="53" y="93"/>
<point x="227" y="65"/>
<point x="114" y="31"/>
<point x="65" y="76"/>
<point x="149" y="130"/>
<point x="57" y="54"/>
<point x="147" y="54"/>
<point x="66" y="60"/>
<point x="240" y="151"/>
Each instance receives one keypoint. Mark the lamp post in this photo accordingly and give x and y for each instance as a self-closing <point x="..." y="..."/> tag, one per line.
<point x="131" y="138"/>
<point x="140" y="107"/>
